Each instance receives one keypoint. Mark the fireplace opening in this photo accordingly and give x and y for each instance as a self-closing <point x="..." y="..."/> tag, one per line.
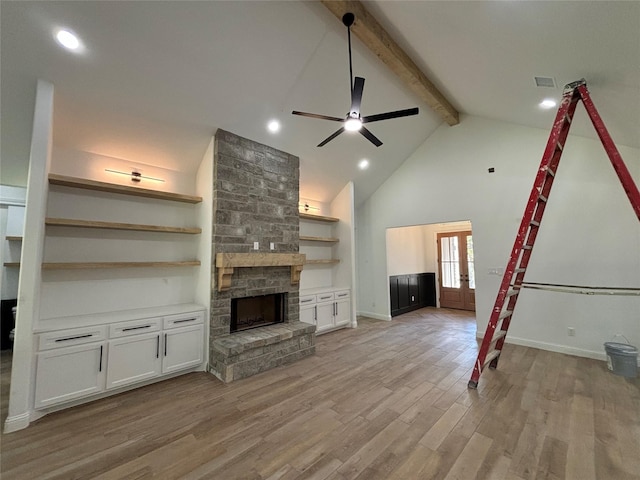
<point x="254" y="312"/>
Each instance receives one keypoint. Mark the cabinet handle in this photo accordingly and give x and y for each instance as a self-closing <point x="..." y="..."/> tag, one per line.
<point x="74" y="338"/>
<point x="100" y="366"/>
<point x="158" y="346"/>
<point x="315" y="313"/>
<point x="135" y="328"/>
<point x="185" y="320"/>
<point x="165" y="344"/>
<point x="306" y="301"/>
<point x="336" y="309"/>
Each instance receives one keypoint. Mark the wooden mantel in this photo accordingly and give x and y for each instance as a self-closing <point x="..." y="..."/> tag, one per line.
<point x="226" y="262"/>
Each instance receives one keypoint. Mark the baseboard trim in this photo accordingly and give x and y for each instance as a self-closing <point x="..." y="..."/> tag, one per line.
<point x="17" y="422"/>
<point x="377" y="316"/>
<point x="552" y="347"/>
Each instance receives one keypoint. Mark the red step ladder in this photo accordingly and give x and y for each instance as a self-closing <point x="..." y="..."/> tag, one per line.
<point x="521" y="253"/>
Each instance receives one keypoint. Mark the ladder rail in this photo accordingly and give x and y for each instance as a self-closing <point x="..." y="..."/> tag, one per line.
<point x="559" y="133"/>
<point x="612" y="152"/>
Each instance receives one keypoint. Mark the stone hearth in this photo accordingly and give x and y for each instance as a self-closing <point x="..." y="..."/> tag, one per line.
<point x="255" y="197"/>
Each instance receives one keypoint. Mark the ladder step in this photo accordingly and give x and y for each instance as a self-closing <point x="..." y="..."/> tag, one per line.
<point x="534" y="223"/>
<point x="520" y="270"/>
<point x="542" y="198"/>
<point x="505" y="314"/>
<point x="559" y="146"/>
<point x="551" y="172"/>
<point x="498" y="336"/>
<point x="527" y="247"/>
<point x="567" y="118"/>
<point x="511" y="293"/>
<point x="490" y="356"/>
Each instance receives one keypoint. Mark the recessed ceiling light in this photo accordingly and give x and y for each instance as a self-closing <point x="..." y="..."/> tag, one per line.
<point x="548" y="103"/>
<point x="273" y="126"/>
<point x="363" y="164"/>
<point x="68" y="40"/>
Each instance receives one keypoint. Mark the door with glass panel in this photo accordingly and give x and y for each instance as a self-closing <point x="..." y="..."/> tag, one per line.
<point x="457" y="279"/>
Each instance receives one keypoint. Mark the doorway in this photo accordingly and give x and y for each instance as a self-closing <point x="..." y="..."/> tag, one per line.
<point x="456" y="273"/>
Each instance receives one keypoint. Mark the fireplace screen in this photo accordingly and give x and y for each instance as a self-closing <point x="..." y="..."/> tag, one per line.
<point x="253" y="312"/>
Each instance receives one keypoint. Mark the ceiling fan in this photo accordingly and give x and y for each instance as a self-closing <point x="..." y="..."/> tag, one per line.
<point x="353" y="120"/>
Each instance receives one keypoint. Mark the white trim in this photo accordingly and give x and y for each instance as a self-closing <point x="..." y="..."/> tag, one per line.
<point x="552" y="347"/>
<point x="12" y="196"/>
<point x="17" y="422"/>
<point x="377" y="316"/>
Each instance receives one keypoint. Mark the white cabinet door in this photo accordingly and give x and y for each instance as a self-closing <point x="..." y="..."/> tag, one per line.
<point x="133" y="359"/>
<point x="182" y="348"/>
<point x="324" y="315"/>
<point x="308" y="314"/>
<point x="64" y="374"/>
<point x="343" y="312"/>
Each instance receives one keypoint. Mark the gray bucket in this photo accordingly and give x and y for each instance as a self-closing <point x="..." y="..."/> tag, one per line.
<point x="622" y="359"/>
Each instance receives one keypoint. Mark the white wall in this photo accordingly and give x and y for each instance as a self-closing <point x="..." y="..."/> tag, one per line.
<point x="589" y="235"/>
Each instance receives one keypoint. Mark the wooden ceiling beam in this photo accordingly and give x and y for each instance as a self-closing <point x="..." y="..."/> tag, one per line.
<point x="376" y="38"/>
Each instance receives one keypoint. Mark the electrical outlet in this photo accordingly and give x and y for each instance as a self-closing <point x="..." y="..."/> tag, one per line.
<point x="272" y="246"/>
<point x="571" y="332"/>
<point x="413" y="298"/>
<point x="256" y="245"/>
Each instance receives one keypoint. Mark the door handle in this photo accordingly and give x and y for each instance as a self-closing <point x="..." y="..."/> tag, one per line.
<point x="158" y="346"/>
<point x="165" y="344"/>
<point x="100" y="366"/>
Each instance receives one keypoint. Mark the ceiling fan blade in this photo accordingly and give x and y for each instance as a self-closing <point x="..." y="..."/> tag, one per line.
<point x="316" y="115"/>
<point x="386" y="116"/>
<point x="370" y="136"/>
<point x="331" y="137"/>
<point x="356" y="95"/>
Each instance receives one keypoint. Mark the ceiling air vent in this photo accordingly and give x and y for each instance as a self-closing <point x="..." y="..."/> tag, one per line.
<point x="545" y="82"/>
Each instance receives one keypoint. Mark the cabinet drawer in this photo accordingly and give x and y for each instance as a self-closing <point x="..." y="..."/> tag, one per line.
<point x="323" y="297"/>
<point x="135" y="327"/>
<point x="307" y="300"/>
<point x="183" y="320"/>
<point x="70" y="337"/>
<point x="342" y="294"/>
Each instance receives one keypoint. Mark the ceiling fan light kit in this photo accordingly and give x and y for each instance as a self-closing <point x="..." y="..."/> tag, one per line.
<point x="353" y="121"/>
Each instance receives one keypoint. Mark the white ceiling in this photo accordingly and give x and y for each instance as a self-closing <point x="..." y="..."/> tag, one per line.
<point x="156" y="79"/>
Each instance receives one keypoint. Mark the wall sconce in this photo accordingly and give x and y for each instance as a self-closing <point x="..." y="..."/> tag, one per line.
<point x="134" y="174"/>
<point x="306" y="207"/>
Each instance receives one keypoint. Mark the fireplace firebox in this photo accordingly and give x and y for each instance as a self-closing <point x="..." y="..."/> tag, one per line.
<point x="258" y="311"/>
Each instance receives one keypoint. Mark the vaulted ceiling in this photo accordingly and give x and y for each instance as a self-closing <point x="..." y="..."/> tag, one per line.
<point x="156" y="79"/>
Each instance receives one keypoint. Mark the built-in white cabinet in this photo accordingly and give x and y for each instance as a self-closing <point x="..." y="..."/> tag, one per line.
<point x="183" y="341"/>
<point x="80" y="362"/>
<point x="70" y="365"/>
<point x="327" y="309"/>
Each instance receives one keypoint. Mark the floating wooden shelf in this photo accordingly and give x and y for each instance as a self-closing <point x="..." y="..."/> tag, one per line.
<point x="328" y="261"/>
<point x="69" y="222"/>
<point x="304" y="238"/>
<point x="97" y="265"/>
<point x="226" y="262"/>
<point x="13" y="238"/>
<point x="66" y="181"/>
<point x="318" y="218"/>
<point x="12" y="264"/>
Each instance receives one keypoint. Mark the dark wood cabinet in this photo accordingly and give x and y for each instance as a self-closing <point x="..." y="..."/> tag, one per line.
<point x="412" y="291"/>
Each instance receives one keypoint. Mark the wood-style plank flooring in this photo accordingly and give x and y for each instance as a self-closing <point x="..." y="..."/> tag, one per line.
<point x="388" y="400"/>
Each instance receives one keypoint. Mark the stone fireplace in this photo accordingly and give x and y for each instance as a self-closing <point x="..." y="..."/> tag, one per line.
<point x="255" y="196"/>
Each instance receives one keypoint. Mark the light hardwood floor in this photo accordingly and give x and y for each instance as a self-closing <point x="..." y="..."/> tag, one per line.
<point x="388" y="400"/>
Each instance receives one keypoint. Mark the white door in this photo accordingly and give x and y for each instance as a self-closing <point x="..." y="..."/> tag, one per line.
<point x="182" y="348"/>
<point x="64" y="374"/>
<point x="343" y="311"/>
<point x="324" y="315"/>
<point x="133" y="359"/>
<point x="308" y="314"/>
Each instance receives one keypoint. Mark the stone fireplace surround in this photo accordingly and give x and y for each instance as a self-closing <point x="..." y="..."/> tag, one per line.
<point x="255" y="196"/>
